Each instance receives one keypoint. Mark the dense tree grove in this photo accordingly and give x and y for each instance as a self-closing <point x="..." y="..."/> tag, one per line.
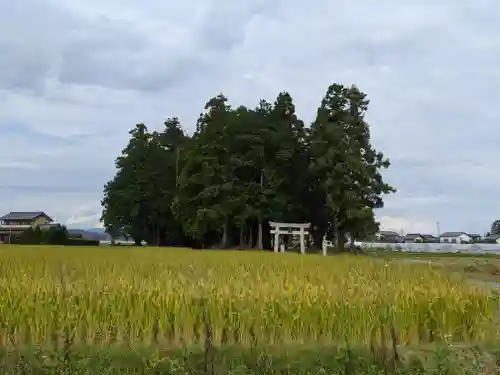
<point x="244" y="167"/>
<point x="495" y="228"/>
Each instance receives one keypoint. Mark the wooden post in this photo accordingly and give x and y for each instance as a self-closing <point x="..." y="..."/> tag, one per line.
<point x="302" y="242"/>
<point x="324" y="247"/>
<point x="276" y="238"/>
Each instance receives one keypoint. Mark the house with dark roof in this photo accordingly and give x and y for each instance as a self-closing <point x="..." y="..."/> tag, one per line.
<point x="429" y="238"/>
<point x="419" y="238"/>
<point x="413" y="237"/>
<point x="475" y="237"/>
<point x="494" y="238"/>
<point x="456" y="237"/>
<point x="14" y="223"/>
<point x="388" y="236"/>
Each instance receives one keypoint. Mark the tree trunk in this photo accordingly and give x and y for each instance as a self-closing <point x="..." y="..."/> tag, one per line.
<point x="259" y="244"/>
<point x="336" y="234"/>
<point x="250" y="237"/>
<point x="341" y="240"/>
<point x="317" y="237"/>
<point x="242" y="239"/>
<point x="225" y="235"/>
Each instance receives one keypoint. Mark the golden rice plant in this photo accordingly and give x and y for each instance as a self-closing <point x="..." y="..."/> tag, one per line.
<point x="179" y="296"/>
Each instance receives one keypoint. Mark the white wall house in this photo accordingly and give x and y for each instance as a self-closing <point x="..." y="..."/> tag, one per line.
<point x="455" y="237"/>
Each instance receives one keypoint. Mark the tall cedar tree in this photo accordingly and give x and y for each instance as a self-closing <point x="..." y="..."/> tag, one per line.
<point x="137" y="201"/>
<point x="345" y="166"/>
<point x="207" y="197"/>
<point x="261" y="154"/>
<point x="246" y="154"/>
<point x="125" y="204"/>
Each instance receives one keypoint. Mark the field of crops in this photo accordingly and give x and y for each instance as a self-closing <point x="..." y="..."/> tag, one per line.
<point x="180" y="296"/>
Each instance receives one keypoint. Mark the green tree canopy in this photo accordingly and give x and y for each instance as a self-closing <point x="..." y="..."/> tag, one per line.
<point x="244" y="167"/>
<point x="495" y="227"/>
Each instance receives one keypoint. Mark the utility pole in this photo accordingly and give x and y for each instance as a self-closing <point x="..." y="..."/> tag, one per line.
<point x="437" y="227"/>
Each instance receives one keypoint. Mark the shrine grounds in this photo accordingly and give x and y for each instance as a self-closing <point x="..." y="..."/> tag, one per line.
<point x="127" y="310"/>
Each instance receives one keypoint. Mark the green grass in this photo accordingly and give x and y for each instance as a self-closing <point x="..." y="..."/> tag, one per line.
<point x="318" y="359"/>
<point x="408" y="254"/>
<point x="476" y="267"/>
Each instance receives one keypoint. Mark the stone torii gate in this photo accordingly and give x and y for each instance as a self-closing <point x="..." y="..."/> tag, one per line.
<point x="278" y="229"/>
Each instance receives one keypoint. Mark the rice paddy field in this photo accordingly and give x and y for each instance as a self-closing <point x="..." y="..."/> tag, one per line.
<point x="180" y="298"/>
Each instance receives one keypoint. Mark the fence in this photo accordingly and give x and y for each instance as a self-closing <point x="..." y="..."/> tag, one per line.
<point x="479" y="248"/>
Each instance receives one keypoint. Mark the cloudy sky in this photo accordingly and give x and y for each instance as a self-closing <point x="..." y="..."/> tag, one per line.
<point x="75" y="76"/>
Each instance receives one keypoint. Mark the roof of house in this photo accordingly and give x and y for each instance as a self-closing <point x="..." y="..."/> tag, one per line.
<point x="452" y="234"/>
<point x="413" y="235"/>
<point x="474" y="235"/>
<point x="491" y="237"/>
<point x="388" y="233"/>
<point x="24" y="215"/>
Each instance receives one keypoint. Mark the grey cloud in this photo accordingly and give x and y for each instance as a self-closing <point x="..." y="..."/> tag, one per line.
<point x="18" y="69"/>
<point x="460" y="195"/>
<point x="223" y="25"/>
<point x="44" y="189"/>
<point x="21" y="130"/>
<point x="112" y="52"/>
<point x="53" y="178"/>
<point x="29" y="42"/>
<point x="430" y="70"/>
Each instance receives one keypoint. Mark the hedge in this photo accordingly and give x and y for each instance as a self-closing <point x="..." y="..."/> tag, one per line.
<point x="81" y="242"/>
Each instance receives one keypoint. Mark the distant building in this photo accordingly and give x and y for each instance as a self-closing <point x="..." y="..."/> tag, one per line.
<point x="413" y="237"/>
<point x="388" y="236"/>
<point x="495" y="238"/>
<point x="15" y="223"/>
<point x="429" y="238"/>
<point x="420" y="238"/>
<point x="455" y="237"/>
<point x="475" y="237"/>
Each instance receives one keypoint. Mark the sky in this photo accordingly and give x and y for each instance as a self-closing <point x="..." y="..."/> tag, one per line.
<point x="75" y="76"/>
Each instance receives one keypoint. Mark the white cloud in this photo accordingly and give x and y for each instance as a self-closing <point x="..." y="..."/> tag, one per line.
<point x="18" y="165"/>
<point x="70" y="91"/>
<point x="407" y="225"/>
<point x="87" y="221"/>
